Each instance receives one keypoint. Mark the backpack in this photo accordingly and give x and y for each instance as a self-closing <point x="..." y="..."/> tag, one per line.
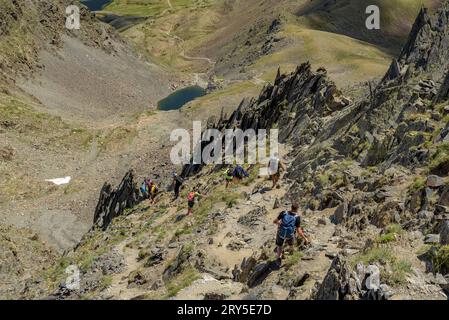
<point x="240" y="172"/>
<point x="154" y="189"/>
<point x="143" y="188"/>
<point x="191" y="196"/>
<point x="288" y="226"/>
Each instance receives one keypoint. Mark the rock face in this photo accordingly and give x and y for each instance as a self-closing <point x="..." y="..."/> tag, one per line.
<point x="40" y="22"/>
<point x="113" y="202"/>
<point x="342" y="283"/>
<point x="443" y="94"/>
<point x="428" y="45"/>
<point x="444" y="233"/>
<point x="295" y="103"/>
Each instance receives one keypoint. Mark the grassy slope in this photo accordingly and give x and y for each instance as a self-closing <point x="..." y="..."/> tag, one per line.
<point x="347" y="60"/>
<point x="348" y="18"/>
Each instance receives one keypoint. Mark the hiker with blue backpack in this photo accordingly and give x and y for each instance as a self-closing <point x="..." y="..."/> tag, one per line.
<point x="235" y="175"/>
<point x="289" y="223"/>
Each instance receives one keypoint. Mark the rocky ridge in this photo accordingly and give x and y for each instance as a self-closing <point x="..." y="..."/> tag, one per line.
<point x="371" y="174"/>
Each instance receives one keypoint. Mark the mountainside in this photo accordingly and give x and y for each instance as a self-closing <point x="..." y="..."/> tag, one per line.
<point x="72" y="103"/>
<point x="348" y="17"/>
<point x="370" y="172"/>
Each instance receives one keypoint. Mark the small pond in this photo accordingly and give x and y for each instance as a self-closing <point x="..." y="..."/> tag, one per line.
<point x="180" y="97"/>
<point x="95" y="5"/>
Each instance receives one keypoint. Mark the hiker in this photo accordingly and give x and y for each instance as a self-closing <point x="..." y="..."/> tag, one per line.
<point x="144" y="189"/>
<point x="153" y="192"/>
<point x="177" y="183"/>
<point x="275" y="168"/>
<point x="148" y="183"/>
<point x="191" y="198"/>
<point x="229" y="176"/>
<point x="240" y="173"/>
<point x="289" y="223"/>
<point x="236" y="174"/>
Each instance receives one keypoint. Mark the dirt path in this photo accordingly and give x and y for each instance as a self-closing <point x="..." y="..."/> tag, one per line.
<point x="182" y="41"/>
<point x="119" y="282"/>
<point x="236" y="240"/>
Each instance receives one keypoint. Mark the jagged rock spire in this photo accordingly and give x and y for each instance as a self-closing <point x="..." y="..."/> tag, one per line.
<point x="278" y="76"/>
<point x="443" y="93"/>
<point x="393" y="72"/>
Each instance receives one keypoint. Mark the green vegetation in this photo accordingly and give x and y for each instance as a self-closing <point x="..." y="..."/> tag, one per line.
<point x="293" y="259"/>
<point x="253" y="174"/>
<point x="440" y="259"/>
<point x="181" y="281"/>
<point x="116" y="137"/>
<point x="391" y="234"/>
<point x="53" y="130"/>
<point x="144" y="8"/>
<point x="84" y="257"/>
<point x="152" y="8"/>
<point x="324" y="179"/>
<point x="205" y="205"/>
<point x="393" y="270"/>
<point x="440" y="157"/>
<point x="417" y="185"/>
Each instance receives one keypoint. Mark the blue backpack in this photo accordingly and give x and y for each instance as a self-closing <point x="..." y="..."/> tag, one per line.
<point x="143" y="188"/>
<point x="240" y="172"/>
<point x="288" y="226"/>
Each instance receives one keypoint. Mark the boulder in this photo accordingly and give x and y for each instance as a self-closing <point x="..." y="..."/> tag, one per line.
<point x="432" y="239"/>
<point x="434" y="181"/>
<point x="444" y="233"/>
<point x="254" y="217"/>
<point x="340" y="213"/>
<point x="241" y="274"/>
<point x="277" y="204"/>
<point x="425" y="215"/>
<point x="343" y="283"/>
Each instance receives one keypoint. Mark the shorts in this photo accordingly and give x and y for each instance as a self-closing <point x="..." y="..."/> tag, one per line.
<point x="280" y="242"/>
<point x="191" y="204"/>
<point x="277" y="174"/>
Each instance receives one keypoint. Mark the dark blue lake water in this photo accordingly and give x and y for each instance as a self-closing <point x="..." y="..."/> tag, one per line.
<point x="95" y="5"/>
<point x="180" y="97"/>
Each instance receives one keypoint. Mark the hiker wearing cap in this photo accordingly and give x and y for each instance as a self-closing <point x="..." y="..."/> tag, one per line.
<point x="289" y="224"/>
<point x="275" y="168"/>
<point x="177" y="183"/>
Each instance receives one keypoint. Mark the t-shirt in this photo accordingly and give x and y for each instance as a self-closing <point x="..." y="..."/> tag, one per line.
<point x="178" y="181"/>
<point x="298" y="218"/>
<point x="193" y="196"/>
<point x="273" y="165"/>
